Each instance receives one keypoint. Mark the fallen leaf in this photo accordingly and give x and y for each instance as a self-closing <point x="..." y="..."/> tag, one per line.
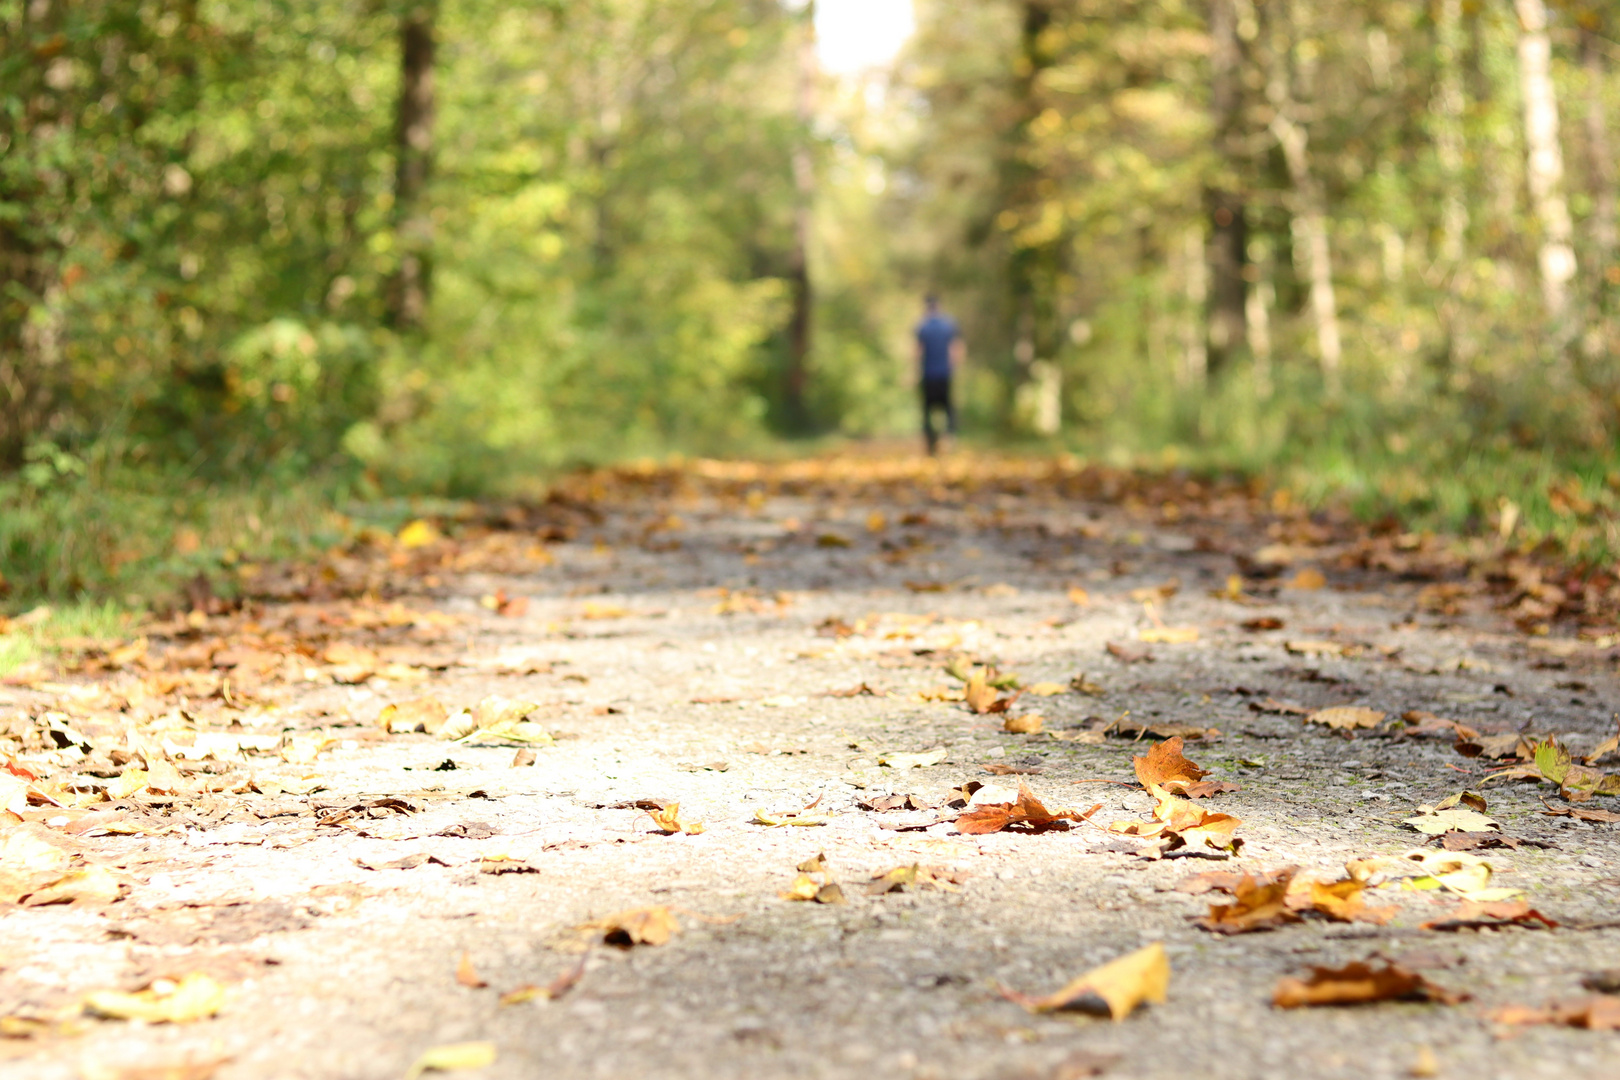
<point x="1168" y="635"/>
<point x="1471" y="915"/>
<point x="1316" y="648"/>
<point x="505" y="864"/>
<point x="1026" y="812"/>
<point x="1164" y="766"/>
<point x="1601" y="1012"/>
<point x="1115" y="989"/>
<point x="418" y="534"/>
<point x="1079" y="596"/>
<point x="1580" y="814"/>
<point x="1341" y="901"/>
<point x="1265" y="622"/>
<point x="788" y="817"/>
<point x="1047" y="689"/>
<point x="921" y="760"/>
<point x="1126" y="653"/>
<point x="1023" y="724"/>
<point x="453" y="1057"/>
<point x="1081" y="684"/>
<point x="191" y="1069"/>
<point x="595" y="609"/>
<point x="1494" y="747"/>
<point x="638" y="926"/>
<point x="668" y="820"/>
<point x="550" y="992"/>
<point x="496" y="721"/>
<point x="915" y="877"/>
<point x="1308" y="580"/>
<point x="982" y="697"/>
<point x="422" y="714"/>
<point x="1258" y="905"/>
<point x="1359" y="983"/>
<point x="467" y="975"/>
<point x="1346" y="717"/>
<point x="859" y="690"/>
<point x="194" y="997"/>
<point x="30" y="859"/>
<point x="90" y="886"/>
<point x="1457" y="818"/>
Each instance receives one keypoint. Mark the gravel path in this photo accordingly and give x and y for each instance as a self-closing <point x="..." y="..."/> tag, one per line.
<point x="682" y="635"/>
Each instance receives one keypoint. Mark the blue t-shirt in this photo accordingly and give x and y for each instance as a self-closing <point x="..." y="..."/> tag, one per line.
<point x="935" y="334"/>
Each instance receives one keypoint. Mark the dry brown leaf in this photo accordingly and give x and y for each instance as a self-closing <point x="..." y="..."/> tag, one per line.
<point x="1026" y="812"/>
<point x="1600" y="1012"/>
<point x="1580" y="813"/>
<point x="467" y="975"/>
<point x="1164" y="766"/>
<point x="1258" y="905"/>
<point x="1127" y="653"/>
<point x="1023" y="724"/>
<point x="638" y="926"/>
<point x="1472" y="915"/>
<point x="1115" y="989"/>
<point x="1341" y="901"/>
<point x="1265" y="622"/>
<point x="1346" y="717"/>
<point x="1307" y="580"/>
<point x="1360" y="983"/>
<point x="981" y="697"/>
<point x="1047" y="689"/>
<point x="91" y="886"/>
<point x="550" y="992"/>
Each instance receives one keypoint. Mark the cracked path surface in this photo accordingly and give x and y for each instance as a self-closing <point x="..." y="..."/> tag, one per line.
<point x="681" y="633"/>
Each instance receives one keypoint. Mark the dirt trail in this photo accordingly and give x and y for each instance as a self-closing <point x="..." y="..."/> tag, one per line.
<point x="682" y="636"/>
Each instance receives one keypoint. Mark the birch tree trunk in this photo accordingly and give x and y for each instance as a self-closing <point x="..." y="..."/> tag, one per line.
<point x="1309" y="215"/>
<point x="1600" y="170"/>
<point x="413" y="227"/>
<point x="1545" y="159"/>
<point x="804" y="181"/>
<point x="1448" y="133"/>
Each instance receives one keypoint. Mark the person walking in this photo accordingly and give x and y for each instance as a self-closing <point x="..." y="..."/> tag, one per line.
<point x="939" y="351"/>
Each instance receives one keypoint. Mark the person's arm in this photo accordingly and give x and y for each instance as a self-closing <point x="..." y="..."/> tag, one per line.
<point x="958" y="352"/>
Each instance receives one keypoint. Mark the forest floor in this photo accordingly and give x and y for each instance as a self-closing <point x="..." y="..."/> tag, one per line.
<point x="213" y="825"/>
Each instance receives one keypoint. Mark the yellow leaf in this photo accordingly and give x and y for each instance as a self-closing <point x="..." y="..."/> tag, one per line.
<point x="89" y="885"/>
<point x="1169" y="635"/>
<point x="193" y="998"/>
<point x="418" y="534"/>
<point x="1346" y="717"/>
<point x="1024" y="724"/>
<point x="1115" y="989"/>
<point x="1047" y="689"/>
<point x="453" y="1057"/>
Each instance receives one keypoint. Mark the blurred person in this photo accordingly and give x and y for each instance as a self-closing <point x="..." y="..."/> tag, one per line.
<point x="939" y="351"/>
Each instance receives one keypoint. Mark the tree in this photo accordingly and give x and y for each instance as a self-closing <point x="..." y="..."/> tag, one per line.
<point x="413" y="140"/>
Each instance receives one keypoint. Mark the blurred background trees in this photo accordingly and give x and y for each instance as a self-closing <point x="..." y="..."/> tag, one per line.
<point x="447" y="245"/>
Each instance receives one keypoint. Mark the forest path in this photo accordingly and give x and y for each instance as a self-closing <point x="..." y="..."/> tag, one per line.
<point x="693" y="636"/>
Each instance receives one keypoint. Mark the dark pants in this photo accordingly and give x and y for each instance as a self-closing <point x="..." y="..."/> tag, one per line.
<point x="936" y="394"/>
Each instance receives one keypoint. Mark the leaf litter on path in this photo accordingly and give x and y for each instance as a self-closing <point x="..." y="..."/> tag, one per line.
<point x="1360" y="983"/>
<point x="1025" y="812"/>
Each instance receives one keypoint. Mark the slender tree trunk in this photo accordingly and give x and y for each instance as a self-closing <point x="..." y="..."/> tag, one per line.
<point x="1227" y="256"/>
<point x="1600" y="172"/>
<point x="804" y="183"/>
<point x="1029" y="266"/>
<point x="1545" y="159"/>
<point x="413" y="227"/>
<point x="1262" y="298"/>
<point x="1448" y="133"/>
<point x="27" y="247"/>
<point x="1310" y="216"/>
<point x="1195" y="282"/>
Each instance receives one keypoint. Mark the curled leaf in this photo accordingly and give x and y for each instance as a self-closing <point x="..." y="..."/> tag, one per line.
<point x="1115" y="989"/>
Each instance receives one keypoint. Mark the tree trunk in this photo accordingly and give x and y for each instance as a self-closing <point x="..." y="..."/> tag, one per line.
<point x="1600" y="172"/>
<point x="1195" y="282"/>
<point x="1545" y="159"/>
<point x="27" y="249"/>
<point x="1028" y="267"/>
<point x="804" y="183"/>
<point x="1227" y="256"/>
<point x="1310" y="218"/>
<point x="1448" y="133"/>
<point x="413" y="227"/>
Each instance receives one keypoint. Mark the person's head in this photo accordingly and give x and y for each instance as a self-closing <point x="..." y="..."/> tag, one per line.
<point x="931" y="302"/>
